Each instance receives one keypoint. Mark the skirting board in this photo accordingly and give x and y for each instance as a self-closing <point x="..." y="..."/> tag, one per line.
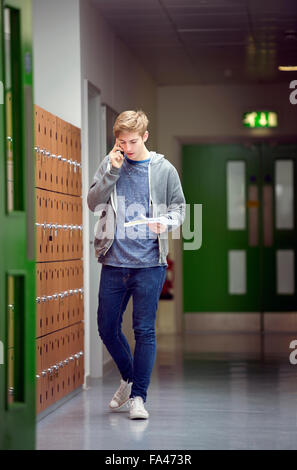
<point x="240" y="322"/>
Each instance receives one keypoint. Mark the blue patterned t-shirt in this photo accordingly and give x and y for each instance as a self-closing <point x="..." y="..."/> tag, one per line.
<point x="136" y="246"/>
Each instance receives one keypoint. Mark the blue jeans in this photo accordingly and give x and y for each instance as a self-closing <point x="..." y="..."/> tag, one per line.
<point x="116" y="287"/>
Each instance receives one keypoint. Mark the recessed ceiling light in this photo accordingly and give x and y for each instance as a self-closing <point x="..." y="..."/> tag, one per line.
<point x="287" y="68"/>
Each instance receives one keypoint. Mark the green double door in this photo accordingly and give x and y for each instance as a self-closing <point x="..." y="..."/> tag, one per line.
<point x="17" y="267"/>
<point x="247" y="259"/>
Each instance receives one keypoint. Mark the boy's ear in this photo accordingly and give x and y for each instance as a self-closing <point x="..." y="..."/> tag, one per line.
<point x="145" y="136"/>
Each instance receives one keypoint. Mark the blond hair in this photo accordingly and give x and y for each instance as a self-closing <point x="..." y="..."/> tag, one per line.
<point x="131" y="121"/>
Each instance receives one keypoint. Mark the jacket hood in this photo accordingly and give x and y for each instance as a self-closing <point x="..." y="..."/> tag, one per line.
<point x="156" y="157"/>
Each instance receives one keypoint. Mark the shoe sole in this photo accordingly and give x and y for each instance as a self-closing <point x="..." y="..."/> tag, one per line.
<point x="122" y="407"/>
<point x="139" y="416"/>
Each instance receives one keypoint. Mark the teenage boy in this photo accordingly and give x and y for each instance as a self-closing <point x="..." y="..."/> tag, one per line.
<point x="132" y="182"/>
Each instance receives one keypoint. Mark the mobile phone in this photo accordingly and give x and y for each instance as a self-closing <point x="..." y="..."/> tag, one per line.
<point x="122" y="151"/>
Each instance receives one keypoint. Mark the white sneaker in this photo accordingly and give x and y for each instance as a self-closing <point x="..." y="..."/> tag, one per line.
<point x="137" y="410"/>
<point x="120" y="400"/>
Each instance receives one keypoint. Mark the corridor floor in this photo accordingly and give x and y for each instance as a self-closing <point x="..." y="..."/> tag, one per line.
<point x="219" y="391"/>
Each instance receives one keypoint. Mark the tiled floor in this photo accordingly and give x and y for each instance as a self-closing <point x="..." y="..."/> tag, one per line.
<point x="207" y="392"/>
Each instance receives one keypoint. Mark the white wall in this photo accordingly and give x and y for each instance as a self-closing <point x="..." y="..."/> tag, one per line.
<point x="56" y="50"/>
<point x="112" y="68"/>
<point x="213" y="114"/>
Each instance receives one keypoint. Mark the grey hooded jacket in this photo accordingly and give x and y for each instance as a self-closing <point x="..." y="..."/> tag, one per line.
<point x="166" y="198"/>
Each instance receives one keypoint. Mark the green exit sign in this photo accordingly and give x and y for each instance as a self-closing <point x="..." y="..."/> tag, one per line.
<point x="260" y="119"/>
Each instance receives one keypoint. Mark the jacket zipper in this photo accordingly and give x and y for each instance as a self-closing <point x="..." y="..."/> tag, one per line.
<point x="113" y="206"/>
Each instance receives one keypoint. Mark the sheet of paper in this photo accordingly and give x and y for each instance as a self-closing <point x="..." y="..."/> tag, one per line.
<point x="149" y="220"/>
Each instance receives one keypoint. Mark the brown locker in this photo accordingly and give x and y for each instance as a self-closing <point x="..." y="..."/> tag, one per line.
<point x="46" y="299"/>
<point x="77" y="286"/>
<point x="71" y="160"/>
<point x="66" y="222"/>
<point x="51" y="371"/>
<point x="72" y="295"/>
<point x="50" y="236"/>
<point x="64" y="156"/>
<point x="55" y="272"/>
<point x="45" y="373"/>
<point x="81" y="295"/>
<point x="57" y="230"/>
<point x="39" y="316"/>
<point x="38" y="211"/>
<point x="39" y="392"/>
<point x="59" y="154"/>
<point x="47" y="144"/>
<point x="53" y="151"/>
<point x="56" y="366"/>
<point x="69" y="298"/>
<point x="43" y="142"/>
<point x="81" y="353"/>
<point x="41" y="156"/>
<point x="59" y="308"/>
<point x="78" y="241"/>
<point x="80" y="211"/>
<point x="74" y="210"/>
<point x="64" y="294"/>
<point x="61" y="364"/>
<point x="68" y="163"/>
<point x="74" y="159"/>
<point x="66" y="360"/>
<point x="79" y="179"/>
<point x="72" y="357"/>
<point x="65" y="229"/>
<point x="51" y="309"/>
<point x="40" y="232"/>
<point x="38" y="170"/>
<point x="44" y="230"/>
<point x="60" y="231"/>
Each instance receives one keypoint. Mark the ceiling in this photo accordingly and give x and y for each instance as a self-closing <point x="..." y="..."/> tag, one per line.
<point x="188" y="42"/>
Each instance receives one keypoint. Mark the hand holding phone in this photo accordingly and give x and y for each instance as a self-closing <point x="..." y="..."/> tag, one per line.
<point x="117" y="155"/>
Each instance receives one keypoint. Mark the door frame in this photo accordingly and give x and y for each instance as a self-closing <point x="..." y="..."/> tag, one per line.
<point x="92" y="144"/>
<point x="17" y="414"/>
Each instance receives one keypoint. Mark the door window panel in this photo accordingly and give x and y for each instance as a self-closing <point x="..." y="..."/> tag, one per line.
<point x="284" y="199"/>
<point x="237" y="271"/>
<point x="236" y="201"/>
<point x="285" y="274"/>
